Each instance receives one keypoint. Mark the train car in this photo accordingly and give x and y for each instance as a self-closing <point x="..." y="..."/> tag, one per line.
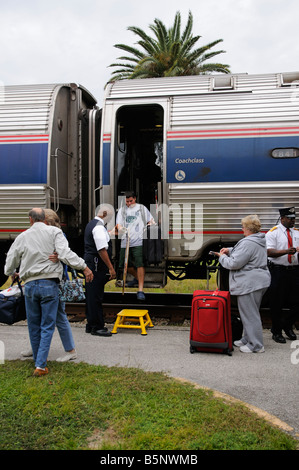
<point x="206" y="151"/>
<point x="49" y="156"/>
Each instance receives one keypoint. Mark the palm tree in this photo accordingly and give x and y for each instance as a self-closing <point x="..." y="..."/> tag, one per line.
<point x="168" y="54"/>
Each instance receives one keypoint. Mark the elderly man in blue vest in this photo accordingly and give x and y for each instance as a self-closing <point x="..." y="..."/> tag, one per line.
<point x="97" y="253"/>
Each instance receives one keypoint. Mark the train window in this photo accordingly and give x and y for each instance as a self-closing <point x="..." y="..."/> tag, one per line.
<point x="289" y="79"/>
<point x="285" y="153"/>
<point x="225" y="82"/>
<point x="121" y="141"/>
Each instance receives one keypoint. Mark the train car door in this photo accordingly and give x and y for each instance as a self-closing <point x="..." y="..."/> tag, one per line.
<point x="139" y="165"/>
<point x="139" y="159"/>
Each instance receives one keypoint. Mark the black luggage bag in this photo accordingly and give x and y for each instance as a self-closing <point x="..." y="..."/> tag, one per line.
<point x="12" y="309"/>
<point x="153" y="245"/>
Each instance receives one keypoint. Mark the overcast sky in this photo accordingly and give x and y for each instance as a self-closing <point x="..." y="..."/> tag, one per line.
<point x="59" y="41"/>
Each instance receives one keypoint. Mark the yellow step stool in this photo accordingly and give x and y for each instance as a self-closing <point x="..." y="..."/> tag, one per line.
<point x="133" y="316"/>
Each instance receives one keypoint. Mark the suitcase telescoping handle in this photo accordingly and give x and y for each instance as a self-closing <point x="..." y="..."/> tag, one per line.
<point x="215" y="292"/>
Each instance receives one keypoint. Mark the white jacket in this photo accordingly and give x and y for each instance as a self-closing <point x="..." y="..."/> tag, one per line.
<point x="31" y="250"/>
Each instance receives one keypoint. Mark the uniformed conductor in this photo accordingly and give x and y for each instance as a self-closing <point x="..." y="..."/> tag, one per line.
<point x="97" y="251"/>
<point x="282" y="248"/>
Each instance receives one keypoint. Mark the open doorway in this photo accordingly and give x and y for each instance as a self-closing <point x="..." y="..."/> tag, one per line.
<point x="139" y="159"/>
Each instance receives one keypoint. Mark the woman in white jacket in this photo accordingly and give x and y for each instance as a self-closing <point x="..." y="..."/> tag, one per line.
<point x="249" y="278"/>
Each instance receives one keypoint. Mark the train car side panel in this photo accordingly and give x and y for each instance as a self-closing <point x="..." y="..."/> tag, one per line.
<point x="230" y="148"/>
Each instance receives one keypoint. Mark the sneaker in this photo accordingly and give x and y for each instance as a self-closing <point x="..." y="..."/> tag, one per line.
<point x="260" y="350"/>
<point x="140" y="295"/>
<point x="39" y="372"/>
<point x="67" y="357"/>
<point x="246" y="349"/>
<point x="27" y="353"/>
<point x="239" y="343"/>
<point x="132" y="283"/>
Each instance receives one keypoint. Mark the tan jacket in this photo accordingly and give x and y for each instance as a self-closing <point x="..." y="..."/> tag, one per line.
<point x="29" y="254"/>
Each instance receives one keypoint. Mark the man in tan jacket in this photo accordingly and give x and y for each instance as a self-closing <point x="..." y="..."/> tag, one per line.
<point x="29" y="254"/>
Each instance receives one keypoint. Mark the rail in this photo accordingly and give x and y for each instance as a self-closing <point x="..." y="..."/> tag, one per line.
<point x="174" y="308"/>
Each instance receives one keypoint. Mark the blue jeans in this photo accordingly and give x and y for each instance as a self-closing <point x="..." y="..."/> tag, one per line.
<point x="41" y="300"/>
<point x="64" y="328"/>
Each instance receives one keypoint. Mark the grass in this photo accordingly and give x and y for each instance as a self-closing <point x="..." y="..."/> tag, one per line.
<point x="187" y="286"/>
<point x="81" y="406"/>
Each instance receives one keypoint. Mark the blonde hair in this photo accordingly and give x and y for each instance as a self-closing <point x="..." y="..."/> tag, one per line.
<point x="52" y="218"/>
<point x="252" y="223"/>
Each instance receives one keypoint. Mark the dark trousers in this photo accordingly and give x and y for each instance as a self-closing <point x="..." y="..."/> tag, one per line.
<point x="94" y="293"/>
<point x="284" y="293"/>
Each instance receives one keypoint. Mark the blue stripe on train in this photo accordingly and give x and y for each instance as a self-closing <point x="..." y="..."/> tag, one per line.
<point x="23" y="163"/>
<point x="230" y="160"/>
<point x="106" y="163"/>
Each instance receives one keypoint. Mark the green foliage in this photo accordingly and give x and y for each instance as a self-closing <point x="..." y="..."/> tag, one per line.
<point x="81" y="406"/>
<point x="169" y="53"/>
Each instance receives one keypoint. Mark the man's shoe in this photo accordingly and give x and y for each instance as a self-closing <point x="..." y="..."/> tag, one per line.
<point x="39" y="372"/>
<point x="103" y="332"/>
<point x="278" y="338"/>
<point x="89" y="329"/>
<point x="132" y="283"/>
<point x="140" y="295"/>
<point x="290" y="334"/>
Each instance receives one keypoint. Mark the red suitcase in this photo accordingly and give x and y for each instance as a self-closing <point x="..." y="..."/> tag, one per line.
<point x="210" y="329"/>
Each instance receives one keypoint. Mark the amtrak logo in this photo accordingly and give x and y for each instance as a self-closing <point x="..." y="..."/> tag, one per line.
<point x="180" y="175"/>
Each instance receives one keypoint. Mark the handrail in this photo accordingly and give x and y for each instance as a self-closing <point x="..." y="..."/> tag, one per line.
<point x="56" y="203"/>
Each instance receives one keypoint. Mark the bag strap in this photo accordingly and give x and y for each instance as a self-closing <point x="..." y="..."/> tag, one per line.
<point x="74" y="273"/>
<point x="72" y="270"/>
<point x="19" y="284"/>
<point x="65" y="273"/>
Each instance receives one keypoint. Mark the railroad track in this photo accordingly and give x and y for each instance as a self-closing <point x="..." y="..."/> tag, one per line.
<point x="175" y="308"/>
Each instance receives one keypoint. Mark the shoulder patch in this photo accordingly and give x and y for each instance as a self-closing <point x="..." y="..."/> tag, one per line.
<point x="273" y="228"/>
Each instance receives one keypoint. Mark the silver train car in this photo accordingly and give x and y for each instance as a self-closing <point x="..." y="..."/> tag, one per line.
<point x="206" y="151"/>
<point x="49" y="147"/>
<point x="201" y="152"/>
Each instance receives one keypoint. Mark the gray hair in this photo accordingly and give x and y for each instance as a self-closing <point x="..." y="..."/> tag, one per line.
<point x="37" y="214"/>
<point x="252" y="223"/>
<point x="104" y="208"/>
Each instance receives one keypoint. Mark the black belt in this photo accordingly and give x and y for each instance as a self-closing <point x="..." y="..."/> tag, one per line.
<point x="285" y="268"/>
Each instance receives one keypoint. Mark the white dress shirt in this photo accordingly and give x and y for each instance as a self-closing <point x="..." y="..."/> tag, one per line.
<point x="277" y="239"/>
<point x="100" y="235"/>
